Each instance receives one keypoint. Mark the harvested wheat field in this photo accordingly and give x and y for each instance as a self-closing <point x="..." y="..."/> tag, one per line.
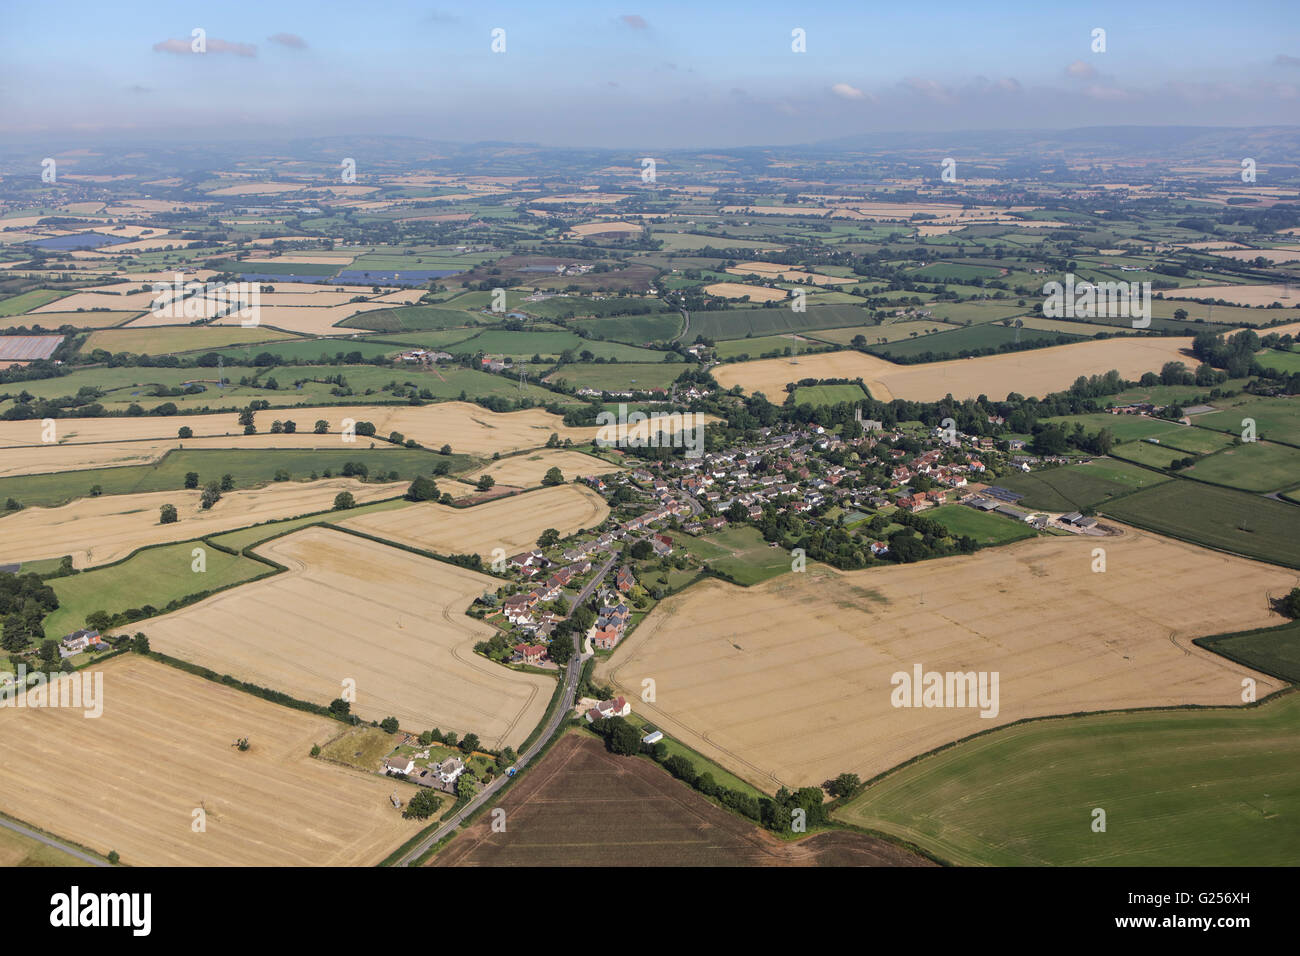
<point x="101" y="530"/>
<point x="468" y="428"/>
<point x="789" y="682"/>
<point x="307" y="319"/>
<point x="349" y="608"/>
<point x="513" y="523"/>
<point x="525" y="471"/>
<point x="739" y="290"/>
<point x="1264" y="294"/>
<point x="131" y="780"/>
<point x="1034" y="372"/>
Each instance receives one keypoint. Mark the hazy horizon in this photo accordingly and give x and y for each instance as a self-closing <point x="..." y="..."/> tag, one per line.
<point x="668" y="75"/>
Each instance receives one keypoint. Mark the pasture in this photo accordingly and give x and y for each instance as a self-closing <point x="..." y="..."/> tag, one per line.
<point x="1216" y="517"/>
<point x="1214" y="787"/>
<point x="1076" y="487"/>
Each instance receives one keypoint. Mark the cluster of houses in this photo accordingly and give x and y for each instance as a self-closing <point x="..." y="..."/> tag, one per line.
<point x="441" y="776"/>
<point x="424" y="356"/>
<point x="82" y="640"/>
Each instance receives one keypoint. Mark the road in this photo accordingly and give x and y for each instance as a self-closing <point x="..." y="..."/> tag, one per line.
<point x="552" y="724"/>
<point x="42" y="838"/>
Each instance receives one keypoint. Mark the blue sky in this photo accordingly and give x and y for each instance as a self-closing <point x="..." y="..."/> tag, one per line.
<point x="664" y="75"/>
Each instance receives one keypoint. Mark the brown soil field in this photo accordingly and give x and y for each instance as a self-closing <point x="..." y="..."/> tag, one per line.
<point x="1264" y="294"/>
<point x="131" y="779"/>
<point x="583" y="806"/>
<point x="1034" y="372"/>
<point x="513" y="523"/>
<point x="525" y="471"/>
<point x="789" y="682"/>
<point x="349" y="608"/>
<point x="102" y="530"/>
<point x="600" y="228"/>
<point x="736" y="290"/>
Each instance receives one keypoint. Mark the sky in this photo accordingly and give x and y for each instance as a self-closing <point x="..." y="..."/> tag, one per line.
<point x="638" y="75"/>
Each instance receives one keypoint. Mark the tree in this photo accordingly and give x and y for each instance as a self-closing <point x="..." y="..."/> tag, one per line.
<point x="561" y="650"/>
<point x="140" y="643"/>
<point x="389" y="725"/>
<point x="227" y="482"/>
<point x="191" y="479"/>
<point x="845" y="785"/>
<point x="553" y="476"/>
<point x="344" y="500"/>
<point x="167" y="515"/>
<point x="641" y="550"/>
<point x="423" y="804"/>
<point x="548" y="538"/>
<point x="340" y="707"/>
<point x="422" y="489"/>
<point x="185" y="432"/>
<point x="466" y="787"/>
<point x="444" y="450"/>
<point x="1291" y="603"/>
<point x="290" y="427"/>
<point x="470" y="743"/>
<point x="485" y="482"/>
<point x="321" y="426"/>
<point x="211" y="495"/>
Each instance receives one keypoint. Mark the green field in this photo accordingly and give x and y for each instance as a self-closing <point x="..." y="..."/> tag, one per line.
<point x="754" y="347"/>
<point x="1217" y="517"/>
<point x="1279" y="361"/>
<point x="18" y="304"/>
<point x="1276" y="419"/>
<point x="524" y="345"/>
<point x="619" y="375"/>
<point x="249" y="467"/>
<point x="1076" y="487"/>
<point x="953" y="271"/>
<point x="740" y="553"/>
<point x="1148" y="453"/>
<point x="1272" y="650"/>
<point x="739" y="323"/>
<point x="311" y="350"/>
<point x="1216" y="787"/>
<point x="988" y="335"/>
<point x="1251" y="466"/>
<point x="988" y="529"/>
<point x="164" y="340"/>
<point x="636" y="329"/>
<point x="412" y="317"/>
<point x="152" y="576"/>
<point x="828" y="394"/>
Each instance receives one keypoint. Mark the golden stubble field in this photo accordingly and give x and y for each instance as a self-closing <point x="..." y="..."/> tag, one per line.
<point x="468" y="428"/>
<point x="527" y="470"/>
<point x="101" y="530"/>
<point x="131" y="779"/>
<point x="789" y="682"/>
<point x="352" y="609"/>
<point x="512" y="524"/>
<point x="1262" y="294"/>
<point x="1034" y="372"/>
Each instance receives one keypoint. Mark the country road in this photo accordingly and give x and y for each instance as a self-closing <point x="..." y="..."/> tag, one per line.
<point x="42" y="838"/>
<point x="552" y="724"/>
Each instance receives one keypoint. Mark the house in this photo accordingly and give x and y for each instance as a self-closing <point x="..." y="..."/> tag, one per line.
<point x="449" y="770"/>
<point x="653" y="737"/>
<point x="606" y="638"/>
<point x="399" y="765"/>
<point x="879" y="547"/>
<point x="618" y="707"/>
<point x="624" y="580"/>
<point x="529" y="653"/>
<point x="662" y="544"/>
<point x="78" y="641"/>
